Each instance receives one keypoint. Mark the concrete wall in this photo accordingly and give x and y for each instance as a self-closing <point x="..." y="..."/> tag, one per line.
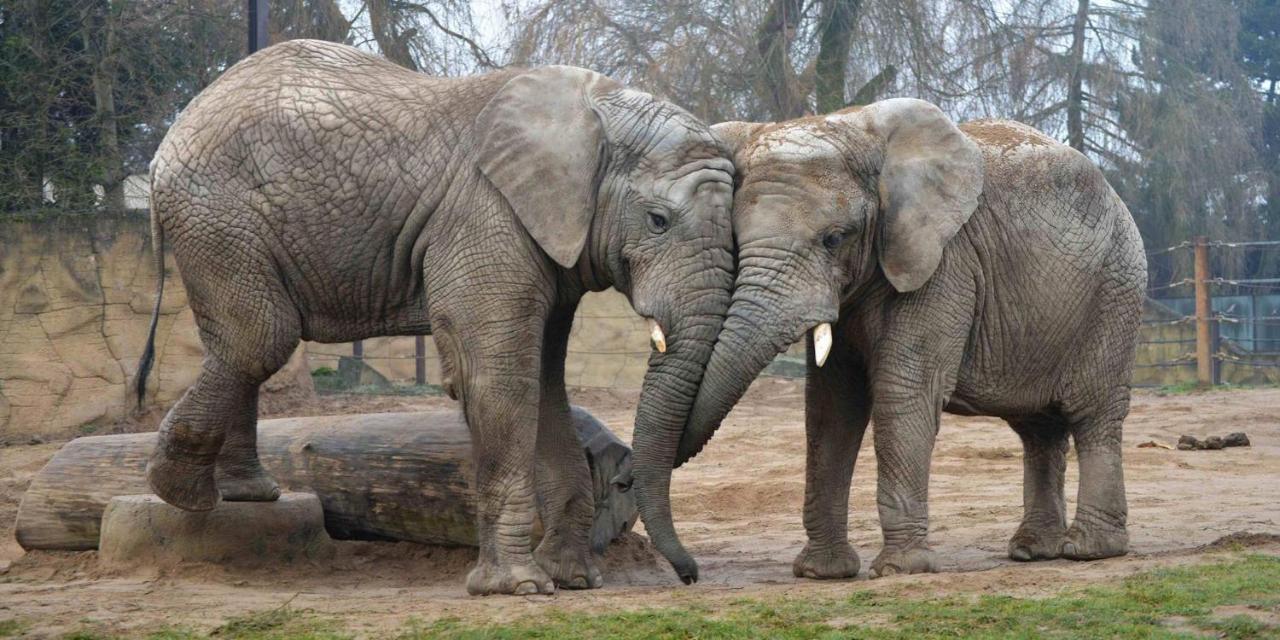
<point x="76" y="296"/>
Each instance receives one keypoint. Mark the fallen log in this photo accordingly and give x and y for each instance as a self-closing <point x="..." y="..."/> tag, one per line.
<point x="386" y="476"/>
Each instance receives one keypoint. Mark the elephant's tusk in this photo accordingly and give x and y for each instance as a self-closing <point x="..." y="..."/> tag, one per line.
<point x="821" y="343"/>
<point x="659" y="338"/>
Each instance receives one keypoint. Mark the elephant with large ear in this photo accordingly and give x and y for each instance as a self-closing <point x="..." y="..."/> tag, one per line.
<point x="981" y="269"/>
<point x="317" y="192"/>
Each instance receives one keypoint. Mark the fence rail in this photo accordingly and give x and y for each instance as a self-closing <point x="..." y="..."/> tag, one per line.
<point x="1210" y="344"/>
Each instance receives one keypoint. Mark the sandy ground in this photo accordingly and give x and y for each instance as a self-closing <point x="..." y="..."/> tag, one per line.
<point x="738" y="509"/>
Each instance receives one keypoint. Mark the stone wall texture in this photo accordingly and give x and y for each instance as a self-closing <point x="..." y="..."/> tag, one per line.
<point x="76" y="296"/>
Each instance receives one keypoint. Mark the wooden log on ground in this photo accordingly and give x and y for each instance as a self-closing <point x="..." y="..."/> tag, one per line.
<point x="387" y="476"/>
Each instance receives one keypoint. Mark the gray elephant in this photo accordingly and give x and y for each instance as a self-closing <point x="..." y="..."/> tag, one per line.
<point x="980" y="270"/>
<point x="316" y="192"/>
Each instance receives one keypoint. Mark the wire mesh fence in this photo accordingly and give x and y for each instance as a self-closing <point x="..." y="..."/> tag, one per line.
<point x="1219" y="329"/>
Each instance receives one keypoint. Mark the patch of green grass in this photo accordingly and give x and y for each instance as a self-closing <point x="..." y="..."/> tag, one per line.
<point x="1144" y="606"/>
<point x="1170" y="603"/>
<point x="1191" y="388"/>
<point x="324" y="372"/>
<point x="10" y="628"/>
<point x="282" y="623"/>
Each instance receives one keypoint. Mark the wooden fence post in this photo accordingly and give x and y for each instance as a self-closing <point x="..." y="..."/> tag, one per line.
<point x="1204" y="313"/>
<point x="420" y="360"/>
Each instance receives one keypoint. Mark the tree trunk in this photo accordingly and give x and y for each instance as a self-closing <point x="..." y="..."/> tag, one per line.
<point x="833" y="52"/>
<point x="1075" y="92"/>
<point x="100" y="37"/>
<point x="870" y="92"/>
<point x="781" y="88"/>
<point x="394" y="46"/>
<point x="397" y="476"/>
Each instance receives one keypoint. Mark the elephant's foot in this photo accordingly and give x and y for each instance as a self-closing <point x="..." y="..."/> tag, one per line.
<point x="826" y="562"/>
<point x="488" y="578"/>
<point x="569" y="568"/>
<point x="246" y="483"/>
<point x="1094" y="543"/>
<point x="915" y="559"/>
<point x="1036" y="542"/>
<point x="186" y="485"/>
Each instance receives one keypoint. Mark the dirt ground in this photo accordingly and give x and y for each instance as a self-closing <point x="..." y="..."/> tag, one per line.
<point x="738" y="508"/>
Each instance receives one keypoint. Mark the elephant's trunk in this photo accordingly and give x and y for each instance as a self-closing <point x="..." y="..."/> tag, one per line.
<point x="777" y="298"/>
<point x="670" y="386"/>
<point x="757" y="329"/>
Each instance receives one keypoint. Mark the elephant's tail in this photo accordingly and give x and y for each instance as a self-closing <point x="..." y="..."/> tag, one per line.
<point x="149" y="353"/>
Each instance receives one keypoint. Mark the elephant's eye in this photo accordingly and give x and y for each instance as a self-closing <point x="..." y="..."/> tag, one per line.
<point x="658" y="223"/>
<point x="832" y="240"/>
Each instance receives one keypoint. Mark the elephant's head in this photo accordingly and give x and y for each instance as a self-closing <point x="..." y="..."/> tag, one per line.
<point x="825" y="204"/>
<point x="622" y="189"/>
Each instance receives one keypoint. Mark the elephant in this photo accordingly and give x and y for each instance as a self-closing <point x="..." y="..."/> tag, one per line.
<point x="318" y="192"/>
<point x="977" y="269"/>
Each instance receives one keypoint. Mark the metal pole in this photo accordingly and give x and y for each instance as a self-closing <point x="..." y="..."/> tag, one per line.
<point x="1204" y="311"/>
<point x="357" y="349"/>
<point x="257" y="25"/>
<point x="420" y="360"/>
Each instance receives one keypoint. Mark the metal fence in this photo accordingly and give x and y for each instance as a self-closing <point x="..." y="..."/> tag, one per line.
<point x="1236" y="321"/>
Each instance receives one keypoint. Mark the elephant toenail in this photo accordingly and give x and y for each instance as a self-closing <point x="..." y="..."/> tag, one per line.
<point x="1068" y="549"/>
<point x="526" y="588"/>
<point x="1020" y="553"/>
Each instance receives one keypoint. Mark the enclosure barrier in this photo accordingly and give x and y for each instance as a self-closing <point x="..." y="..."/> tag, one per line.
<point x="1211" y="348"/>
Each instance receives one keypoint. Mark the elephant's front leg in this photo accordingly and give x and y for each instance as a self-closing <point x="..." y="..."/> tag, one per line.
<point x="495" y="367"/>
<point x="906" y="420"/>
<point x="565" y="496"/>
<point x="837" y="407"/>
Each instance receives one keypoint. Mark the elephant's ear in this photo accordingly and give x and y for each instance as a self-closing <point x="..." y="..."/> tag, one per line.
<point x="929" y="185"/>
<point x="735" y="134"/>
<point x="541" y="146"/>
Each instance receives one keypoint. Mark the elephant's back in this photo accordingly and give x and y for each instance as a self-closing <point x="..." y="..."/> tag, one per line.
<point x="291" y="100"/>
<point x="332" y="159"/>
<point x="1047" y="197"/>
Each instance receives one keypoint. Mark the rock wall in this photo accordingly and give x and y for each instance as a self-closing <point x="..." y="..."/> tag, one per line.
<point x="76" y="296"/>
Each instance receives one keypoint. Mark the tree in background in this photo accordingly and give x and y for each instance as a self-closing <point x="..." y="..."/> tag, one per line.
<point x="1177" y="100"/>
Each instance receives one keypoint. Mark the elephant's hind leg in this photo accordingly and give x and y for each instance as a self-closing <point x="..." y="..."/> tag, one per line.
<point x="207" y="446"/>
<point x="181" y="469"/>
<point x="1100" y="527"/>
<point x="1044" y="508"/>
<point x="240" y="475"/>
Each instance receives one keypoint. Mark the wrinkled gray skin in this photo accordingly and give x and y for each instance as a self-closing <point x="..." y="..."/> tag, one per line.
<point x="982" y="270"/>
<point x="315" y="192"/>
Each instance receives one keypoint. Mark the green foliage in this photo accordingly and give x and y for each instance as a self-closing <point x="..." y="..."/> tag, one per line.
<point x="280" y="623"/>
<point x="89" y="87"/>
<point x="10" y="628"/>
